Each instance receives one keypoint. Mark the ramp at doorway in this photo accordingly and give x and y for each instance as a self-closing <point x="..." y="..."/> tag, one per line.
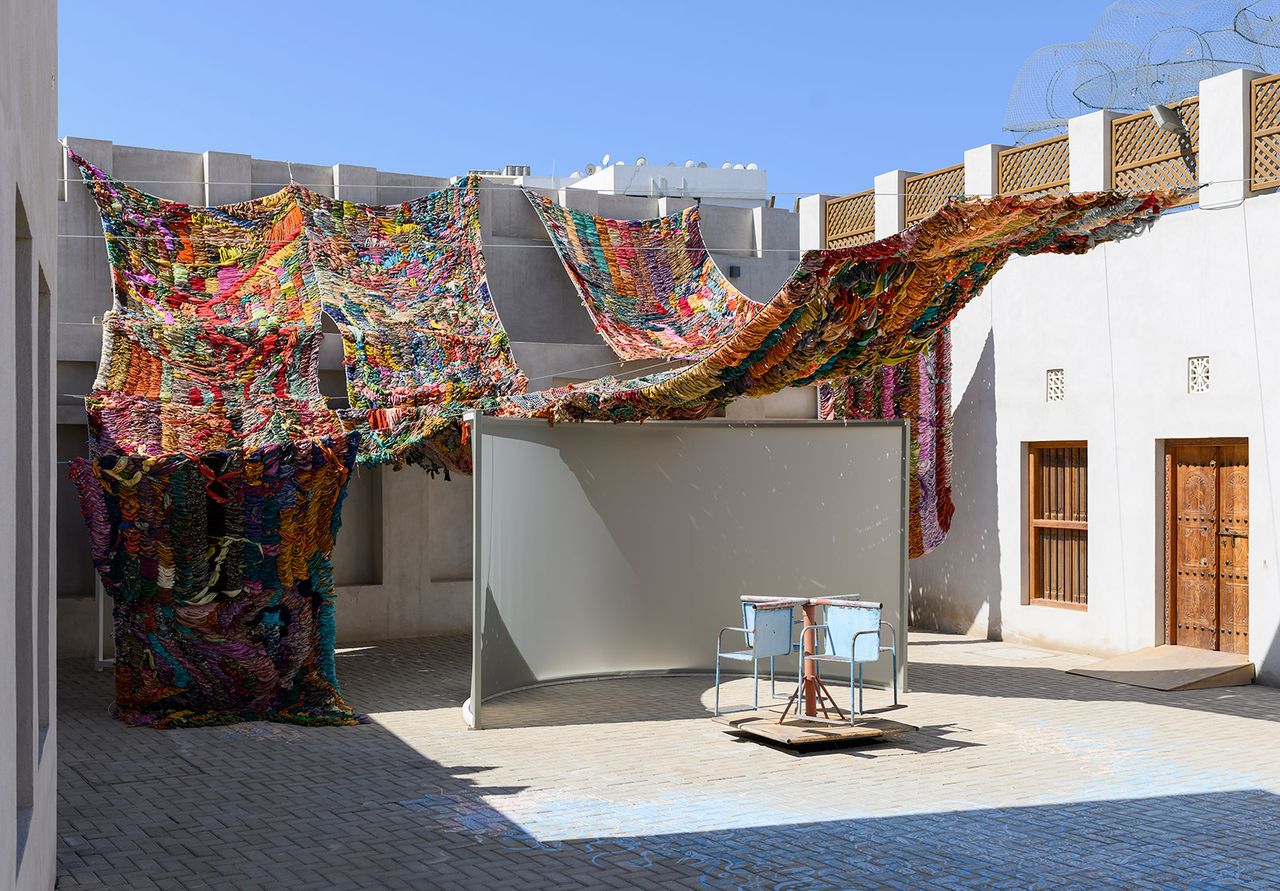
<point x="1172" y="668"/>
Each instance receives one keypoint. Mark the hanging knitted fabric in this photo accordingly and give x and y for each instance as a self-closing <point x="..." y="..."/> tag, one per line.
<point x="650" y="286"/>
<point x="219" y="570"/>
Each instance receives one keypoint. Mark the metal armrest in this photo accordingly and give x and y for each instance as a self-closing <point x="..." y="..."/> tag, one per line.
<point x="814" y="629"/>
<point x="893" y="638"/>
<point x="853" y="646"/>
<point x="720" y="636"/>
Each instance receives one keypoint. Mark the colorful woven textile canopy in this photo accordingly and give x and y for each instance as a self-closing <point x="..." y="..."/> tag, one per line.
<point x="406" y="286"/>
<point x="214" y="338"/>
<point x="841" y="313"/>
<point x="650" y="286"/>
<point x="848" y="310"/>
<point x="634" y="277"/>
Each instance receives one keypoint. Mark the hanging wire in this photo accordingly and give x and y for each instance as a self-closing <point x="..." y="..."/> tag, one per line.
<point x="744" y="195"/>
<point x="1257" y="359"/>
<point x="1115" y="427"/>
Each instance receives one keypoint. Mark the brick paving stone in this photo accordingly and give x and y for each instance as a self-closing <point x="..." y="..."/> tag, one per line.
<point x="1021" y="775"/>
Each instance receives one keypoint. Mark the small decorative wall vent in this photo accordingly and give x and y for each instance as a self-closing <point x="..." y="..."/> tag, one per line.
<point x="1198" y="374"/>
<point x="1055" y="385"/>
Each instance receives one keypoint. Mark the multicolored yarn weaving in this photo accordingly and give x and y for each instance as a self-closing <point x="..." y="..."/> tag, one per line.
<point x="918" y="389"/>
<point x="406" y="286"/>
<point x="848" y="310"/>
<point x="214" y="340"/>
<point x="219" y="569"/>
<point x="841" y="313"/>
<point x="214" y="337"/>
<point x="650" y="286"/>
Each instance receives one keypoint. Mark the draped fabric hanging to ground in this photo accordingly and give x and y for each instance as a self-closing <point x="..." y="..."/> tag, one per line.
<point x="210" y="360"/>
<point x="918" y="389"/>
<point x="218" y="567"/>
<point x="650" y="286"/>
<point x="214" y="490"/>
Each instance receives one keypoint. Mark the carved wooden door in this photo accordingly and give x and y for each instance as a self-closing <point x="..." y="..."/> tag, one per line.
<point x="1209" y="540"/>
<point x="1233" y="549"/>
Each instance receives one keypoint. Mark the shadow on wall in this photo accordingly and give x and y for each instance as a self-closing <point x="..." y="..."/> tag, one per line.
<point x="957" y="587"/>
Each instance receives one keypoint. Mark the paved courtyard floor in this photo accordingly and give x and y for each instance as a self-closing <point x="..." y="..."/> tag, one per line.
<point x="1020" y="776"/>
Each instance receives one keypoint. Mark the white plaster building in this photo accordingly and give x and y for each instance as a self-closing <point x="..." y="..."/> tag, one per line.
<point x="1159" y="348"/>
<point x="731" y="185"/>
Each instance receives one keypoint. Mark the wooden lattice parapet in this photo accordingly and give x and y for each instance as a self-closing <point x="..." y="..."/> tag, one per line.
<point x="1041" y="168"/>
<point x="851" y="220"/>
<point x="1264" y="150"/>
<point x="1145" y="157"/>
<point x="926" y="192"/>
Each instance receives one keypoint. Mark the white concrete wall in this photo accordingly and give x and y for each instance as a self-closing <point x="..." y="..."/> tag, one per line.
<point x="714" y="185"/>
<point x="403" y="560"/>
<point x="28" y="283"/>
<point x="1122" y="322"/>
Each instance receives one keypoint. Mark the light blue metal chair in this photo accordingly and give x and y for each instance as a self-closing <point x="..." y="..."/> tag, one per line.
<point x="850" y="634"/>
<point x="768" y="632"/>
<point x="749" y="603"/>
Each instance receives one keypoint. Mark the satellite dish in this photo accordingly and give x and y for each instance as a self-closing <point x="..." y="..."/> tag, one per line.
<point x="641" y="161"/>
<point x="727" y="165"/>
<point x="688" y="164"/>
<point x="591" y="168"/>
<point x="604" y="162"/>
<point x="577" y="174"/>
<point x="739" y="167"/>
<point x="753" y="166"/>
<point x="702" y="163"/>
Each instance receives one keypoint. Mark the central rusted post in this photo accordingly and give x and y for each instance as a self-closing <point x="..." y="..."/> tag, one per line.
<point x="810" y="645"/>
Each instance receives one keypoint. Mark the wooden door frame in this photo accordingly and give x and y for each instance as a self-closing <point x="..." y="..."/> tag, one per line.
<point x="1032" y="524"/>
<point x="1170" y="520"/>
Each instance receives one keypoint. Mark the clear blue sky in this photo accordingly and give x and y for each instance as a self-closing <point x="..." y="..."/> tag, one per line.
<point x="822" y="95"/>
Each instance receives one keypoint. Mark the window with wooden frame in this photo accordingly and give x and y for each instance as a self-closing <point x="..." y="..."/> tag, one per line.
<point x="1058" y="538"/>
